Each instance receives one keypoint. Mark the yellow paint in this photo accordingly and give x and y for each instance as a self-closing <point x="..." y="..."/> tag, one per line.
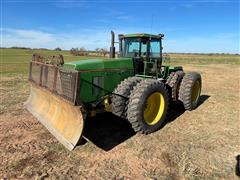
<point x="154" y="108"/>
<point x="195" y="91"/>
<point x="62" y="119"/>
<point x="107" y="105"/>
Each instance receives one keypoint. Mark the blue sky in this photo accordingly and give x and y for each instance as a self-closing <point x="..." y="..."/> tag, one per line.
<point x="189" y="26"/>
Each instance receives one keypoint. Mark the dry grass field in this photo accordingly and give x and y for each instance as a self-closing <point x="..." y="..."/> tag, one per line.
<point x="201" y="144"/>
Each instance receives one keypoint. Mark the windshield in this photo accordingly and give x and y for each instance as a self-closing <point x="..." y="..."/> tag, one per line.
<point x="136" y="47"/>
<point x="133" y="47"/>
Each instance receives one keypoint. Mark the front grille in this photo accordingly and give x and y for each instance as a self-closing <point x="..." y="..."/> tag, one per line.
<point x="56" y="79"/>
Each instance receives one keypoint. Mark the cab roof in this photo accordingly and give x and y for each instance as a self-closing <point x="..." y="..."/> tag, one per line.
<point x="143" y="35"/>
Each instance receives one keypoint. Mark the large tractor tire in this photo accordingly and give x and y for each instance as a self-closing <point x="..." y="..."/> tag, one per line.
<point x="190" y="90"/>
<point x="120" y="97"/>
<point x="148" y="106"/>
<point x="173" y="82"/>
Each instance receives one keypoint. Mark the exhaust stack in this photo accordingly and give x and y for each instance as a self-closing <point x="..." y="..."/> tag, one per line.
<point x="112" y="48"/>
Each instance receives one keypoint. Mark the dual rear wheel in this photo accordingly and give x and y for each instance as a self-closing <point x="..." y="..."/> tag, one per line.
<point x="185" y="88"/>
<point x="144" y="102"/>
<point x="148" y="106"/>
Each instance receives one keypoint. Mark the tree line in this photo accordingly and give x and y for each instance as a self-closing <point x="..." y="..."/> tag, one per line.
<point x="83" y="52"/>
<point x="103" y="51"/>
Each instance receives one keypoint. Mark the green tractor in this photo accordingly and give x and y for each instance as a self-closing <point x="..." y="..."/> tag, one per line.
<point x="134" y="86"/>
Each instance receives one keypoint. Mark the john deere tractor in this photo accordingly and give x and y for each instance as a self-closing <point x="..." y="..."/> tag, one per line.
<point x="134" y="86"/>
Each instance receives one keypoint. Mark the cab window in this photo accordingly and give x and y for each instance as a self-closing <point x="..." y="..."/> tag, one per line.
<point x="154" y="48"/>
<point x="131" y="48"/>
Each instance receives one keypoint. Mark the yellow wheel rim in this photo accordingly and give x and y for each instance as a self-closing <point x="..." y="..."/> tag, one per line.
<point x="154" y="108"/>
<point x="195" y="91"/>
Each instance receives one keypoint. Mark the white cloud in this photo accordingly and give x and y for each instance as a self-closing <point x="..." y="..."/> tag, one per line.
<point x="124" y="17"/>
<point x="72" y="4"/>
<point x="28" y="34"/>
<point x="100" y="37"/>
<point x="88" y="38"/>
<point x="28" y="38"/>
<point x="187" y="5"/>
<point x="174" y="6"/>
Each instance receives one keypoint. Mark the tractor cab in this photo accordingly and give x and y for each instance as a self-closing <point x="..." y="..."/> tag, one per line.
<point x="145" y="50"/>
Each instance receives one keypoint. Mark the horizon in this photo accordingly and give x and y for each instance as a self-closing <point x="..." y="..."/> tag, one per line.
<point x="108" y="50"/>
<point x="189" y="26"/>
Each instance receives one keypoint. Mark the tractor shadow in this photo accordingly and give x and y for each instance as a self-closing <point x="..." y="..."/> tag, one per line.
<point x="107" y="131"/>
<point x="177" y="109"/>
<point x="202" y="99"/>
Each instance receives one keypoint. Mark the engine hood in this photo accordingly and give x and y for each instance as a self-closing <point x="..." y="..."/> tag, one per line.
<point x="99" y="64"/>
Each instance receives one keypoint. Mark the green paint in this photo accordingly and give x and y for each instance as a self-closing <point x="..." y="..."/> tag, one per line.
<point x="106" y="73"/>
<point x="110" y="81"/>
<point x="100" y="64"/>
<point x="141" y="35"/>
<point x="168" y="69"/>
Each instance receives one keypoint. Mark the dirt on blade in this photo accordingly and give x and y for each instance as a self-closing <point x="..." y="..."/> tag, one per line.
<point x="199" y="144"/>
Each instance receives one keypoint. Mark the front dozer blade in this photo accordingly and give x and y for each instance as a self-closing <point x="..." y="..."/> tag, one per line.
<point x="64" y="120"/>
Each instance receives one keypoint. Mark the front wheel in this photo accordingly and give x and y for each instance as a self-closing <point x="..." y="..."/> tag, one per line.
<point x="148" y="105"/>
